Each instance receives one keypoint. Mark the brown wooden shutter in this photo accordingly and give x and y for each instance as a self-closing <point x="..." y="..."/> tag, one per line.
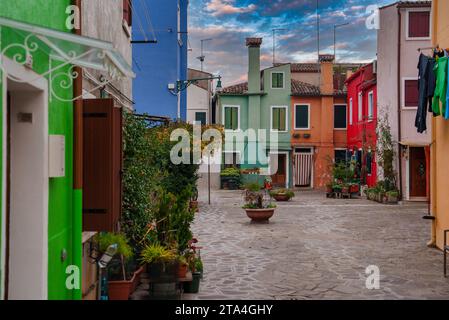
<point x="102" y="161"/>
<point x="411" y="93"/>
<point x="127" y="12"/>
<point x="419" y="24"/>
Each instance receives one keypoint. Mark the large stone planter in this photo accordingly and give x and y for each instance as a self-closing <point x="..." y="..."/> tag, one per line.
<point x="260" y="215"/>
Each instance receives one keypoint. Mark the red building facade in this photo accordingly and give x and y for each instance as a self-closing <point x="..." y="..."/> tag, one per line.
<point x="362" y="122"/>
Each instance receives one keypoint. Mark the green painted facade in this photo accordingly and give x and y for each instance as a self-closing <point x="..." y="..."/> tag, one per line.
<point x="64" y="206"/>
<point x="256" y="109"/>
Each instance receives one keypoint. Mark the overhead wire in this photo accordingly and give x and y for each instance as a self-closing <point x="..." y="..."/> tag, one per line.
<point x="148" y="18"/>
<point x="139" y="21"/>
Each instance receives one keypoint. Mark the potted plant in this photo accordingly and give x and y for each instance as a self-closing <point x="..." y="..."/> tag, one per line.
<point x="256" y="208"/>
<point x="354" y="188"/>
<point x="392" y="197"/>
<point x="182" y="267"/>
<point x="329" y="188"/>
<point x="282" y="194"/>
<point x="123" y="273"/>
<point x="230" y="178"/>
<point x="160" y="261"/>
<point x="345" y="188"/>
<point x="337" y="188"/>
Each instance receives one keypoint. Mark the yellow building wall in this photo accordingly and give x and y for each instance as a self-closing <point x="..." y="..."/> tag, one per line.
<point x="440" y="136"/>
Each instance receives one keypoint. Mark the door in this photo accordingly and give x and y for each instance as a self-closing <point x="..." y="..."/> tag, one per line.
<point x="418" y="173"/>
<point x="303" y="167"/>
<point x="279" y="178"/>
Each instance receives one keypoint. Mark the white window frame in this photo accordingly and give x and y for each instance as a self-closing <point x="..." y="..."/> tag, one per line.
<point x="223" y="122"/>
<point x="403" y="93"/>
<point x="286" y="119"/>
<point x="351" y="114"/>
<point x="308" y="114"/>
<point x="283" y="80"/>
<point x="371" y="106"/>
<point x="407" y="24"/>
<point x="346" y="120"/>
<point x="360" y="106"/>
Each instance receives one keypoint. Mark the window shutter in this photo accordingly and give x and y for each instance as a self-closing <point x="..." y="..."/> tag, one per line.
<point x="419" y="24"/>
<point x="102" y="161"/>
<point x="411" y="93"/>
<point x="127" y="13"/>
<point x="275" y="119"/>
<point x="228" y="118"/>
<point x="235" y="119"/>
<point x="282" y="124"/>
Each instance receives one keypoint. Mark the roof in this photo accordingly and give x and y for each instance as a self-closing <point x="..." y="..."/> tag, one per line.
<point x="311" y="67"/>
<point x="240" y="88"/>
<point x="299" y="88"/>
<point x="326" y="57"/>
<point x="408" y="4"/>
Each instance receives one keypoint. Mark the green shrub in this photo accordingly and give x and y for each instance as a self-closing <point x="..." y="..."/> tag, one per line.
<point x="107" y="239"/>
<point x="230" y="172"/>
<point x="157" y="253"/>
<point x="255" y="187"/>
<point x="287" y="192"/>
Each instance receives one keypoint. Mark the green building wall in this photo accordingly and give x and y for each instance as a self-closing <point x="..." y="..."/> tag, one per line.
<point x="255" y="113"/>
<point x="64" y="202"/>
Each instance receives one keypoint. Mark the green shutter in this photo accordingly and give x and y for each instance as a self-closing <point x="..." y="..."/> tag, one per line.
<point x="275" y="116"/>
<point x="235" y="119"/>
<point x="282" y="124"/>
<point x="228" y="118"/>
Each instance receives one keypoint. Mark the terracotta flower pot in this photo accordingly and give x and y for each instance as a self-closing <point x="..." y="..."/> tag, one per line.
<point x="182" y="271"/>
<point x="281" y="197"/>
<point x="260" y="215"/>
<point x="121" y="290"/>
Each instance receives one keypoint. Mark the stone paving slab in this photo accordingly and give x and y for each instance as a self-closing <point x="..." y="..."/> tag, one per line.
<point x="316" y="248"/>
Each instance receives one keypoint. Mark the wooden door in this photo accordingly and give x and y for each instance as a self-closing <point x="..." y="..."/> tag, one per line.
<point x="418" y="187"/>
<point x="102" y="165"/>
<point x="279" y="179"/>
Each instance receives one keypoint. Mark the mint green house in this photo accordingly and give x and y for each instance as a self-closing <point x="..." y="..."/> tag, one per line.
<point x="263" y="102"/>
<point x="40" y="206"/>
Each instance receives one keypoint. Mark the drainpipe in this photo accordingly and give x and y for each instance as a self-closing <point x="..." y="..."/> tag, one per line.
<point x="78" y="164"/>
<point x="399" y="104"/>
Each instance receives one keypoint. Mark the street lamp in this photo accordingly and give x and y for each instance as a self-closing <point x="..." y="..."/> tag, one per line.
<point x="335" y="38"/>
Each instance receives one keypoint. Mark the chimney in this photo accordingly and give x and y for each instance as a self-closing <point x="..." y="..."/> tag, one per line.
<point x="349" y="73"/>
<point x="327" y="73"/>
<point x="253" y="45"/>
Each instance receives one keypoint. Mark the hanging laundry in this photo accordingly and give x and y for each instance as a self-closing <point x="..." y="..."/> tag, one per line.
<point x="426" y="86"/>
<point x="447" y="92"/>
<point x="441" y="87"/>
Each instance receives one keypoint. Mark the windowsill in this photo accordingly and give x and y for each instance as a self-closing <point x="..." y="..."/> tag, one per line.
<point x="409" y="108"/>
<point x="302" y="129"/>
<point x="418" y="39"/>
<point x="340" y="129"/>
<point x="277" y="131"/>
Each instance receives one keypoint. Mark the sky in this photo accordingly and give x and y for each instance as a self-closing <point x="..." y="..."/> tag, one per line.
<point x="229" y="22"/>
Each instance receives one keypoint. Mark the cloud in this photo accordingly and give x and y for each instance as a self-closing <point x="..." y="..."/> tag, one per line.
<point x="226" y="7"/>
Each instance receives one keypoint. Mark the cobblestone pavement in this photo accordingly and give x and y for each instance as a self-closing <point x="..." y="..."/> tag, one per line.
<point x="317" y="248"/>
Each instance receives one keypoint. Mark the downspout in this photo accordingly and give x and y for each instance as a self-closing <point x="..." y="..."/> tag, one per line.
<point x="433" y="151"/>
<point x="399" y="104"/>
<point x="77" y="213"/>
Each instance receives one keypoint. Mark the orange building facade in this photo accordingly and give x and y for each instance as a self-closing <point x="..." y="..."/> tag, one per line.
<point x="319" y="127"/>
<point x="440" y="138"/>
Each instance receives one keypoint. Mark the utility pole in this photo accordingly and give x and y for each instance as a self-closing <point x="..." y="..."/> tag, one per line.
<point x="335" y="38"/>
<point x="202" y="57"/>
<point x="274" y="42"/>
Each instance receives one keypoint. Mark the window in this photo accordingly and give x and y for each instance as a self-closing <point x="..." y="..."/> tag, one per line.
<point x="369" y="163"/>
<point x="339" y="117"/>
<point x="279" y="118"/>
<point x="350" y="112"/>
<point x="303" y="150"/>
<point x="340" y="155"/>
<point x="201" y="118"/>
<point x="232" y="117"/>
<point x="370" y="105"/>
<point x="418" y="24"/>
<point x="302" y="117"/>
<point x="277" y="80"/>
<point x="127" y="12"/>
<point x="411" y="93"/>
<point x="231" y="159"/>
<point x="360" y="107"/>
